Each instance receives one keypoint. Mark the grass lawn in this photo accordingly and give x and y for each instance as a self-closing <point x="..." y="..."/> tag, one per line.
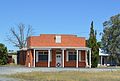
<point x="68" y="76"/>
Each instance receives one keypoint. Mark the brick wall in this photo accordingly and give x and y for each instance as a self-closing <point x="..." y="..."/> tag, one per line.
<point x="48" y="40"/>
<point x="66" y="63"/>
<point x="29" y="58"/>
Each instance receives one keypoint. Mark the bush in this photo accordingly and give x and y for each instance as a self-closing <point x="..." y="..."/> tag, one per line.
<point x="3" y="54"/>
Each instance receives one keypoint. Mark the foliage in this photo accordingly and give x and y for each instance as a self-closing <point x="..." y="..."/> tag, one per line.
<point x="99" y="44"/>
<point x="92" y="43"/>
<point x="19" y="37"/>
<point x="111" y="37"/>
<point x="3" y="54"/>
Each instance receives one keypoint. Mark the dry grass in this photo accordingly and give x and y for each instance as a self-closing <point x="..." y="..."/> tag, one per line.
<point x="68" y="76"/>
<point x="11" y="65"/>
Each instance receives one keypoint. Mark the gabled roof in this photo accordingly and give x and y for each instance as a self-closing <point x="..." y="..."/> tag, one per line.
<point x="48" y="40"/>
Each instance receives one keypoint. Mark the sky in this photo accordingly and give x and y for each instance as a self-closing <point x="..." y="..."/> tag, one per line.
<point x="56" y="16"/>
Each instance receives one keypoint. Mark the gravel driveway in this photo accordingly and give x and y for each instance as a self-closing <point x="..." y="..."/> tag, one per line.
<point x="12" y="70"/>
<point x="8" y="79"/>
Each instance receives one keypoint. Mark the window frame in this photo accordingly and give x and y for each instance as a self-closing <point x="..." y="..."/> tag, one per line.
<point x="80" y="56"/>
<point x="42" y="53"/>
<point x="57" y="39"/>
<point x="73" y="52"/>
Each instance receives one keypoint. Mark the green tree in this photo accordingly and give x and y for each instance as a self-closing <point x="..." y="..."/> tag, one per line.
<point x="3" y="54"/>
<point x="111" y="37"/>
<point x="99" y="44"/>
<point x="92" y="43"/>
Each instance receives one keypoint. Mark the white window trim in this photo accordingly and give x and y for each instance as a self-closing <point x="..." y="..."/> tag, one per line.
<point x="67" y="56"/>
<point x="36" y="56"/>
<point x="80" y="56"/>
<point x="50" y="56"/>
<point x="58" y="39"/>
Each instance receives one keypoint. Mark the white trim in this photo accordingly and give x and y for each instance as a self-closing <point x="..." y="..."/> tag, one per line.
<point x="63" y="57"/>
<point x="80" y="56"/>
<point x="57" y="39"/>
<point x="77" y="59"/>
<point x="58" y="60"/>
<point x="86" y="58"/>
<point x="34" y="58"/>
<point x="29" y="64"/>
<point x="101" y="60"/>
<point x="46" y="48"/>
<point x="42" y="53"/>
<point x="48" y="58"/>
<point x="73" y="51"/>
<point x="90" y="58"/>
<point x="67" y="56"/>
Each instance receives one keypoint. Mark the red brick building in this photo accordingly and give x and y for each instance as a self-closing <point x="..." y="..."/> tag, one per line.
<point x="57" y="50"/>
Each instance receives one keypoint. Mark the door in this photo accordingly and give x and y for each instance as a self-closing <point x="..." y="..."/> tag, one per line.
<point x="58" y="60"/>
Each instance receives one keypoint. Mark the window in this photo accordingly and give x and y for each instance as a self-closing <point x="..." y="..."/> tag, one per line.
<point x="58" y="39"/>
<point x="71" y="55"/>
<point x="43" y="56"/>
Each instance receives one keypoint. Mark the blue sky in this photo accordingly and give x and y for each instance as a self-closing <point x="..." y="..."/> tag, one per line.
<point x="56" y="16"/>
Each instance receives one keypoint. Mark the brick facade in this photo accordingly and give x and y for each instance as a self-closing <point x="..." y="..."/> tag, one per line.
<point x="47" y="42"/>
<point x="53" y="62"/>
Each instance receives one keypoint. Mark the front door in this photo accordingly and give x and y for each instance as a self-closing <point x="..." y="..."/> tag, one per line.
<point x="58" y="60"/>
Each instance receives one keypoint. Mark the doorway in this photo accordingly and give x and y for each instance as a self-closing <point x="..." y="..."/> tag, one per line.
<point x="58" y="60"/>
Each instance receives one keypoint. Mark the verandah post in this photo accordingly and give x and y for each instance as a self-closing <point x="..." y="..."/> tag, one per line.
<point x="34" y="58"/>
<point x="77" y="59"/>
<point x="63" y="57"/>
<point x="48" y="57"/>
